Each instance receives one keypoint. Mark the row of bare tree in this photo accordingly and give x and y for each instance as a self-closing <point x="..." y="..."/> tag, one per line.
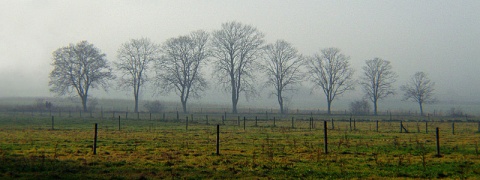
<point x="238" y="52"/>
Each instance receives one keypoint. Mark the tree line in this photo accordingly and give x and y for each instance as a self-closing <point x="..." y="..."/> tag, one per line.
<point x="237" y="54"/>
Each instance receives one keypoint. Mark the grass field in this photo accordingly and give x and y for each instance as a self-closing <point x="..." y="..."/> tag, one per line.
<point x="160" y="148"/>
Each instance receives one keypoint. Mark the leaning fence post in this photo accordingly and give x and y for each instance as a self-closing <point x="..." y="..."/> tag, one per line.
<point x="95" y="141"/>
<point x="218" y="139"/>
<point x="401" y="126"/>
<point x="325" y="136"/>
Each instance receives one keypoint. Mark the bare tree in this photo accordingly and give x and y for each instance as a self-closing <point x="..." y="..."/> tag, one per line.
<point x="79" y="67"/>
<point x="236" y="48"/>
<point x="419" y="89"/>
<point x="134" y="58"/>
<point x="179" y="68"/>
<point x="377" y="80"/>
<point x="282" y="66"/>
<point x="331" y="71"/>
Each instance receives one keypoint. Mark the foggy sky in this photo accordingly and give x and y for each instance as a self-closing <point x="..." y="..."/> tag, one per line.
<point x="441" y="38"/>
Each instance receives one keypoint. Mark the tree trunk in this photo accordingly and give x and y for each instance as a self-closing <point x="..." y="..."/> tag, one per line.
<point x="84" y="103"/>
<point x="234" y="99"/>
<point x="421" y="109"/>
<point x="234" y="107"/>
<point x="184" y="106"/>
<point x="280" y="101"/>
<point x="329" y="104"/>
<point x="136" y="103"/>
<point x="375" y="107"/>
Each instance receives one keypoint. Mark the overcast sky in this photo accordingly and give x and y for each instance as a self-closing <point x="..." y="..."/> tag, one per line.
<point x="441" y="38"/>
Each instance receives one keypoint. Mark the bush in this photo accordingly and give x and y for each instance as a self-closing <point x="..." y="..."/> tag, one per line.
<point x="360" y="107"/>
<point x="154" y="106"/>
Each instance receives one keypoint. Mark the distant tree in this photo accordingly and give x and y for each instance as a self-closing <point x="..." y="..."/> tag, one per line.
<point x="377" y="80"/>
<point x="360" y="107"/>
<point x="79" y="67"/>
<point x="236" y="48"/>
<point x="282" y="66"/>
<point x="179" y="69"/>
<point x="134" y="58"/>
<point x="331" y="72"/>
<point x="419" y="89"/>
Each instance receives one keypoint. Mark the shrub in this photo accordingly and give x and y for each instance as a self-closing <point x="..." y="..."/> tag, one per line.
<point x="154" y="106"/>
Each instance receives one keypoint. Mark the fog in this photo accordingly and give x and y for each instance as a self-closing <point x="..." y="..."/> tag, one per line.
<point x="440" y="38"/>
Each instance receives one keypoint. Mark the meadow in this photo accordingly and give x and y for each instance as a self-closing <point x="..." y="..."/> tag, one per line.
<point x="158" y="146"/>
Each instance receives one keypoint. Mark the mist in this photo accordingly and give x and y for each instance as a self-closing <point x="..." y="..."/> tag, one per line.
<point x="437" y="37"/>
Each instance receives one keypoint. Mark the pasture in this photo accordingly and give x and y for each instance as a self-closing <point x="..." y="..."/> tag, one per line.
<point x="158" y="146"/>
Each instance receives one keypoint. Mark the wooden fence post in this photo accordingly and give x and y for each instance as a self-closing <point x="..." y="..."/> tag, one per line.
<point x="186" y="123"/>
<point x="333" y="125"/>
<point x="244" y="122"/>
<point x="119" y="123"/>
<point x="401" y="126"/>
<point x="426" y="127"/>
<point x="293" y="123"/>
<point x="325" y="136"/>
<point x="354" y="124"/>
<point x="350" y="124"/>
<point x="274" y="125"/>
<point x="478" y="127"/>
<point x="206" y="116"/>
<point x="52" y="123"/>
<point x="95" y="141"/>
<point x="376" y="125"/>
<point x="438" y="142"/>
<point x="218" y="139"/>
<point x="453" y="128"/>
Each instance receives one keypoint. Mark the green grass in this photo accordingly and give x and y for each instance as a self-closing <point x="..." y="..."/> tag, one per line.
<point x="157" y="149"/>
